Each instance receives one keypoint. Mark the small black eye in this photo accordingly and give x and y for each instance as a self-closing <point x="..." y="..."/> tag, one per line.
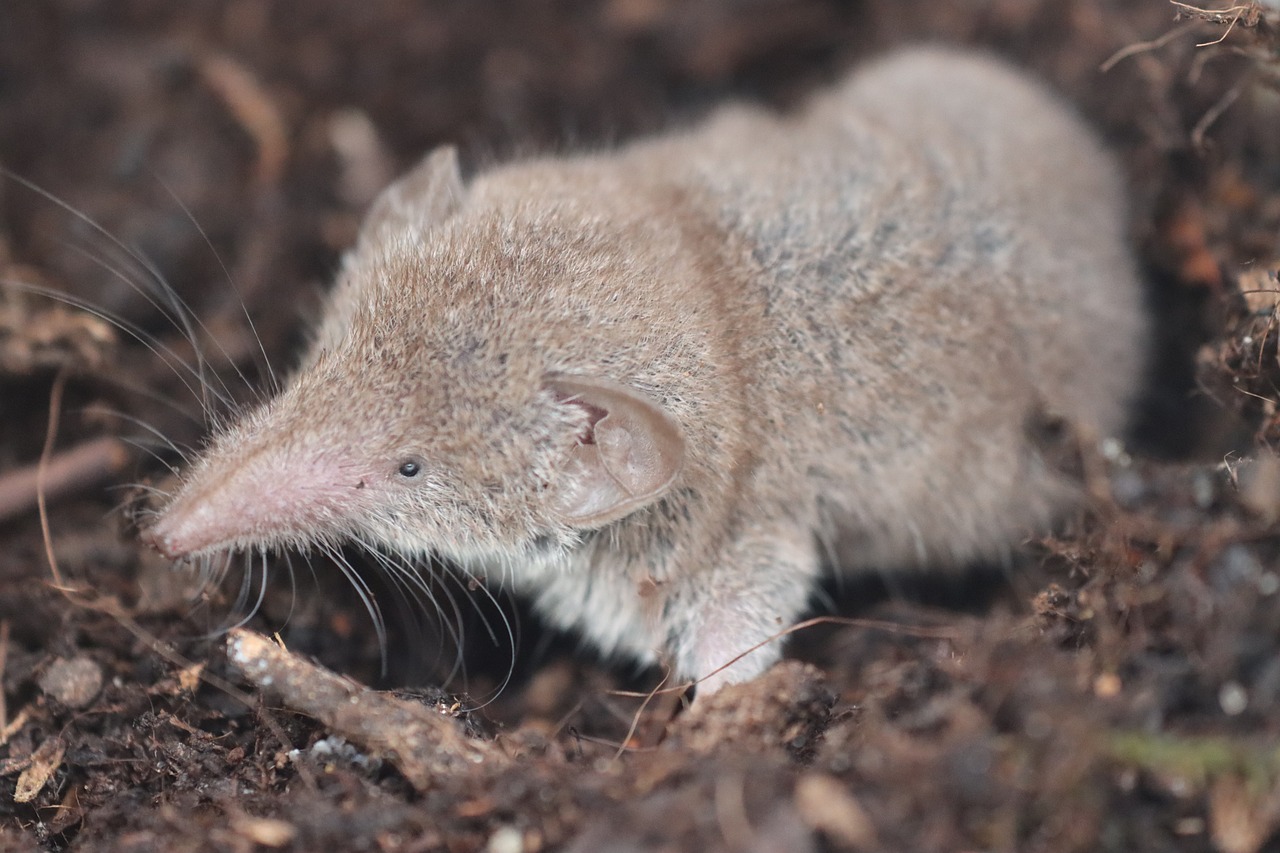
<point x="410" y="468"/>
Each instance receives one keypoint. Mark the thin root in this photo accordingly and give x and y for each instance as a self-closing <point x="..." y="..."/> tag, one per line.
<point x="1215" y="112"/>
<point x="1145" y="46"/>
<point x="247" y="100"/>
<point x="1247" y="14"/>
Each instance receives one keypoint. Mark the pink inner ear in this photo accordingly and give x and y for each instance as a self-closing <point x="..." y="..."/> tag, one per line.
<point x="631" y="452"/>
<point x="595" y="414"/>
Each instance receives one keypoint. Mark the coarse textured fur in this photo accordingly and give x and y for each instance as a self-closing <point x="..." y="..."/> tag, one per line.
<point x="656" y="389"/>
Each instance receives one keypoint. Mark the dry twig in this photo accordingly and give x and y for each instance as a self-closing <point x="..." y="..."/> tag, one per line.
<point x="422" y="743"/>
<point x="79" y="468"/>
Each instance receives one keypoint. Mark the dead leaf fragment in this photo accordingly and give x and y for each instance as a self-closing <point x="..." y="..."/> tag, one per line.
<point x="70" y="811"/>
<point x="1260" y="287"/>
<point x="1186" y="234"/>
<point x="1107" y="685"/>
<point x="44" y="761"/>
<point x="1260" y="486"/>
<point x="189" y="677"/>
<point x="1241" y="818"/>
<point x="827" y="805"/>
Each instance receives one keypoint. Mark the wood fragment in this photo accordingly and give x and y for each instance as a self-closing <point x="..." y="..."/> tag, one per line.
<point x="827" y="804"/>
<point x="77" y="469"/>
<point x="4" y="663"/>
<point x="14" y="726"/>
<point x="424" y="744"/>
<point x="1246" y="14"/>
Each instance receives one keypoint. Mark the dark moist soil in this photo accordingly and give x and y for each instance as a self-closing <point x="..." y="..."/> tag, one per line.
<point x="1116" y="689"/>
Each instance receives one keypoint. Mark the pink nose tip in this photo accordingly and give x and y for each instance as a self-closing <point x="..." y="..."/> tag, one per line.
<point x="153" y="537"/>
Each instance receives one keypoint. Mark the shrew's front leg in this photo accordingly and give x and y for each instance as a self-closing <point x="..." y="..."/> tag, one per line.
<point x="757" y="590"/>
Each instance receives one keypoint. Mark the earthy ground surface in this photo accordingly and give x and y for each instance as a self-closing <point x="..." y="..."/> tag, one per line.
<point x="1120" y="690"/>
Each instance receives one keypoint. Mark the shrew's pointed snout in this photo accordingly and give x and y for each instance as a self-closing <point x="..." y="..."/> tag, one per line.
<point x="197" y="521"/>
<point x="261" y="500"/>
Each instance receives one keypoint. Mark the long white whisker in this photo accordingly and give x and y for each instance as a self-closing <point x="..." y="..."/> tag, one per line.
<point x="266" y="361"/>
<point x="293" y="584"/>
<point x="160" y="350"/>
<point x="179" y="316"/>
<point x="160" y="439"/>
<point x="451" y="626"/>
<point x="363" y="590"/>
<point x="415" y="592"/>
<point x="506" y="623"/>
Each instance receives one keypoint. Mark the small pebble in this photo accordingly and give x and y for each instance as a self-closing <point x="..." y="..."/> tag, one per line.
<point x="507" y="839"/>
<point x="1113" y="451"/>
<point x="1203" y="490"/>
<point x="72" y="682"/>
<point x="1128" y="488"/>
<point x="1236" y="567"/>
<point x="1232" y="698"/>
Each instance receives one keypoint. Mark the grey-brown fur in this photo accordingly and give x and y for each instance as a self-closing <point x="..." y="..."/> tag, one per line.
<point x="848" y="316"/>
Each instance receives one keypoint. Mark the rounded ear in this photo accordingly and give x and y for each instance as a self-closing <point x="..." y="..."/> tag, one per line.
<point x="627" y="458"/>
<point x="429" y="193"/>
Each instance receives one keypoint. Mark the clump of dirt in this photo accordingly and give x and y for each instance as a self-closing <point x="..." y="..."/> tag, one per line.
<point x="1119" y="691"/>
